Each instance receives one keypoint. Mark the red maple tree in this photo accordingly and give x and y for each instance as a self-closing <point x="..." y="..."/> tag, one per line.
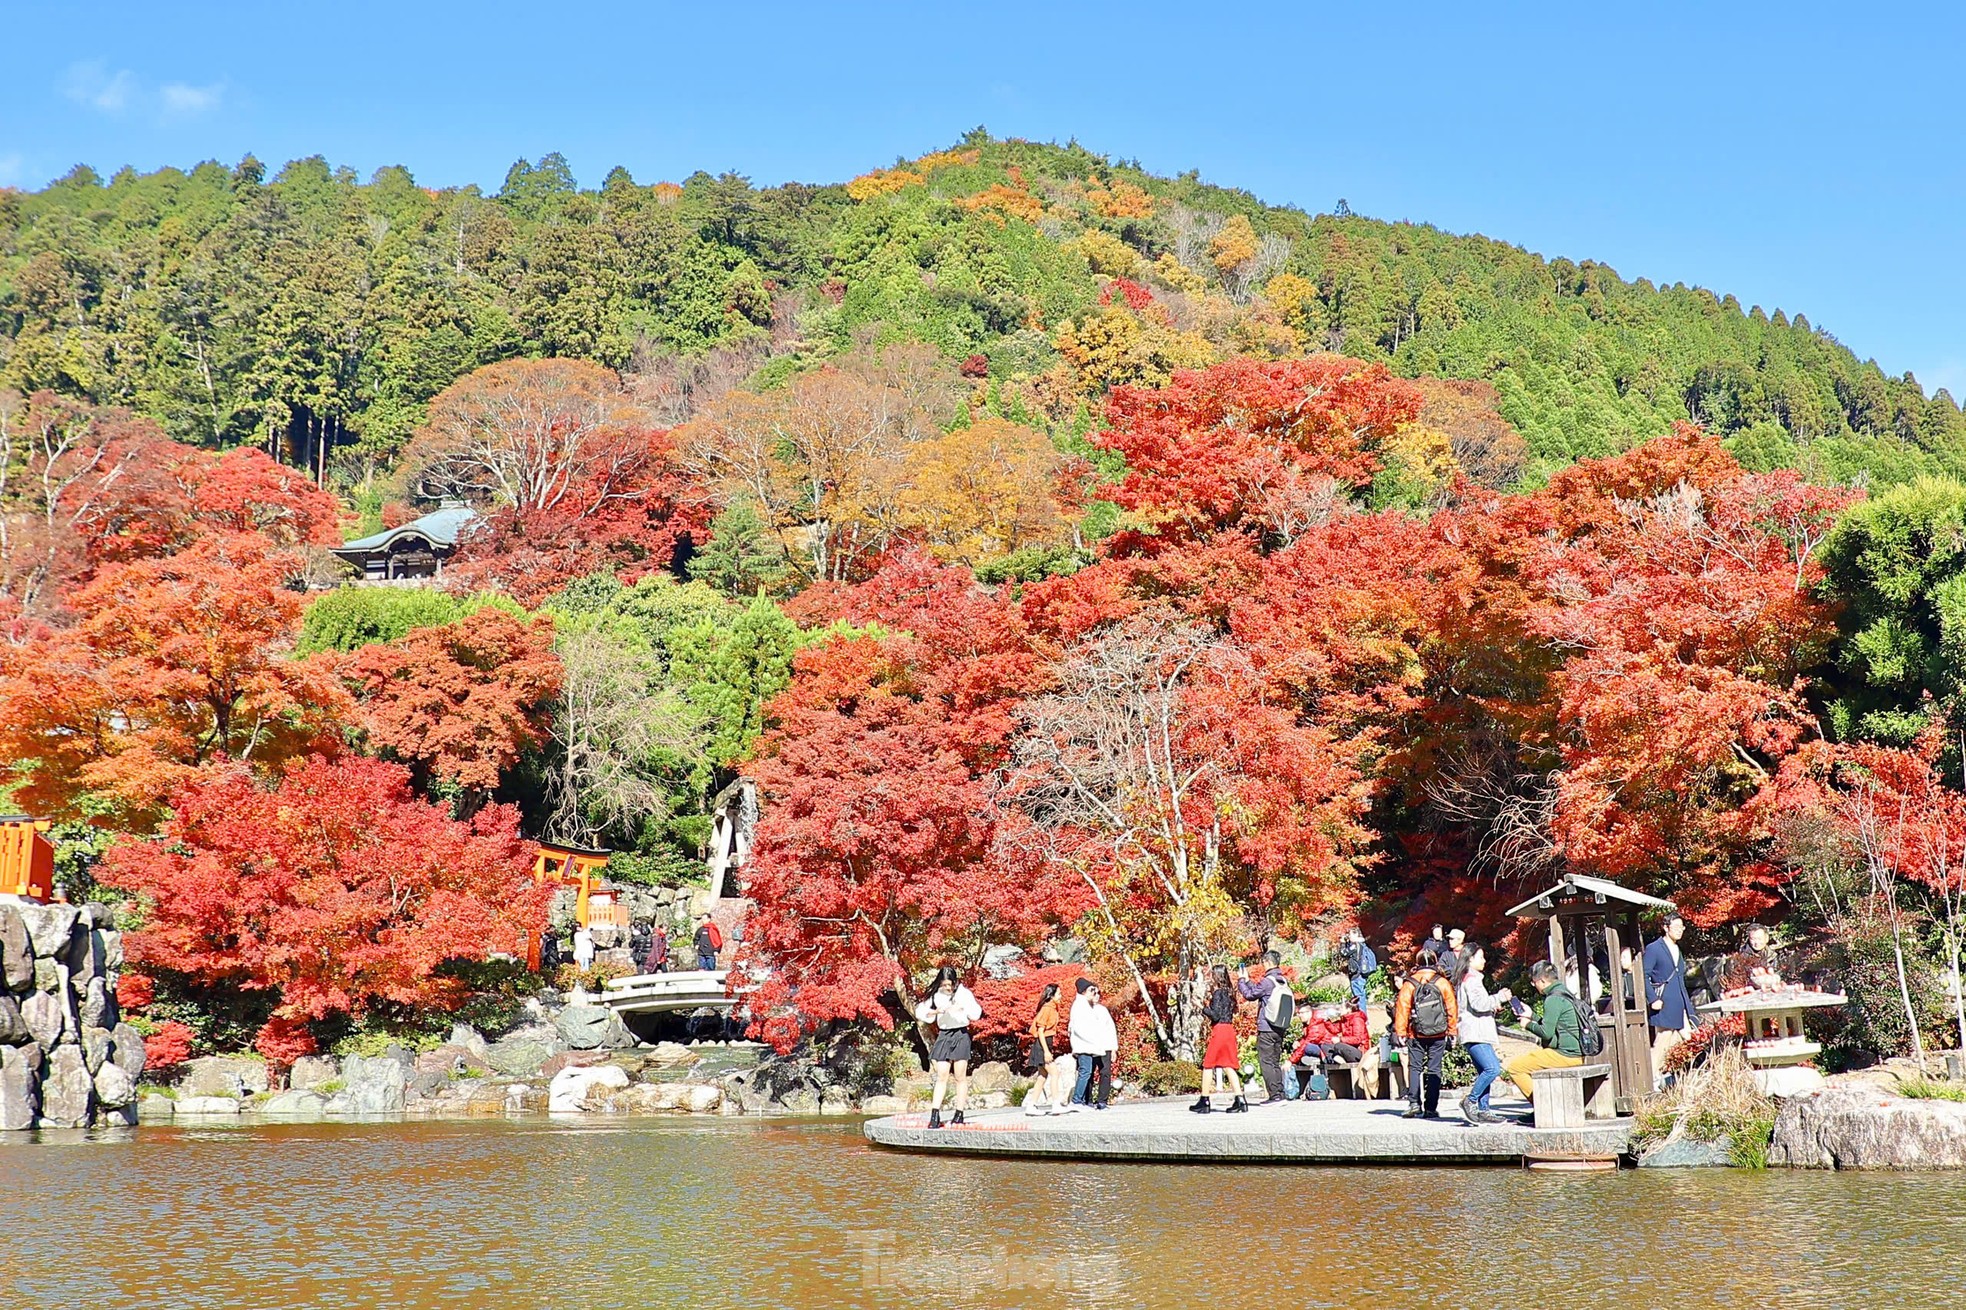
<point x="335" y="888"/>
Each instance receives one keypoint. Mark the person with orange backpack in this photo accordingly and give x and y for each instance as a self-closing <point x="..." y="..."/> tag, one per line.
<point x="1423" y="1018"/>
<point x="709" y="940"/>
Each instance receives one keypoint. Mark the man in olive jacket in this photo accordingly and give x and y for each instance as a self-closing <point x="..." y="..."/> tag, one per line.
<point x="1561" y="1030"/>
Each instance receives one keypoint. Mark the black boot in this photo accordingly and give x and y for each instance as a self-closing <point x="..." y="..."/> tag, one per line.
<point x="956" y="1118"/>
<point x="1202" y="1107"/>
<point x="1239" y="1106"/>
<point x="934" y="1118"/>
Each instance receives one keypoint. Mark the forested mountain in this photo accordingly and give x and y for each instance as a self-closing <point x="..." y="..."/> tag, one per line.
<point x="316" y="314"/>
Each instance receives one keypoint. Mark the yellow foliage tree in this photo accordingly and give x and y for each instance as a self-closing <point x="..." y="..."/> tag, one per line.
<point x="978" y="493"/>
<point x="1108" y="255"/>
<point x="1120" y="200"/>
<point x="1116" y="347"/>
<point x="1234" y="245"/>
<point x="1171" y="272"/>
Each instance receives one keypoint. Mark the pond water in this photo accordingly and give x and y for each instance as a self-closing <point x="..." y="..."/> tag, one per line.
<point x="755" y="1214"/>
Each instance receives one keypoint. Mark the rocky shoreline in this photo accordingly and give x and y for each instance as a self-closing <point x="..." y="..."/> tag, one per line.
<point x="577" y="1059"/>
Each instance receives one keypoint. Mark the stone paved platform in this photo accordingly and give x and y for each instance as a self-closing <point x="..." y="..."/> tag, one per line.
<point x="1327" y="1132"/>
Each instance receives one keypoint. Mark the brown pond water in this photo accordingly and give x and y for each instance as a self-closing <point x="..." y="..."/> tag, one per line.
<point x="750" y="1214"/>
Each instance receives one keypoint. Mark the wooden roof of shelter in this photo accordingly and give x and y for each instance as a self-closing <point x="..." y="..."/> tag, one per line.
<point x="1544" y="904"/>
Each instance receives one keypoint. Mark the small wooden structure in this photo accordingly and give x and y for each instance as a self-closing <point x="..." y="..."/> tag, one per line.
<point x="574" y="866"/>
<point x="1585" y="914"/>
<point x="27" y="859"/>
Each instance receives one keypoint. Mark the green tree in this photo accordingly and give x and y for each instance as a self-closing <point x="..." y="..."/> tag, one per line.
<point x="743" y="555"/>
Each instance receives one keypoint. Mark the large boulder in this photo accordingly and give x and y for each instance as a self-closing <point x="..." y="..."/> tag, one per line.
<point x="112" y="949"/>
<point x="310" y="1071"/>
<point x="16" y="951"/>
<point x="20" y="1092"/>
<point x="222" y="1075"/>
<point x="49" y="927"/>
<point x="468" y="1038"/>
<point x="992" y="1077"/>
<point x="570" y="1088"/>
<point x="155" y="1108"/>
<point x="44" y="1015"/>
<point x="195" y="1106"/>
<point x="13" y="1028"/>
<point x="450" y="1061"/>
<point x="114" y="1088"/>
<point x="1685" y="1153"/>
<point x="524" y="1053"/>
<point x="592" y="1027"/>
<point x="1857" y="1128"/>
<point x="97" y="1044"/>
<point x="128" y="1051"/>
<point x="98" y="1004"/>
<point x="67" y="1092"/>
<point x="85" y="957"/>
<point x="375" y="1085"/>
<point x="303" y="1106"/>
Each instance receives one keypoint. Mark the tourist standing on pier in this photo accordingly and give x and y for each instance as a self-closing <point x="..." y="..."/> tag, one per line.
<point x="1094" y="1042"/>
<point x="1046" y="1061"/>
<point x="1424" y="1016"/>
<point x="1671" y="1005"/>
<point x="1477" y="1033"/>
<point x="1359" y="963"/>
<point x="949" y="1009"/>
<point x="1221" y="1062"/>
<point x="1276" y="1008"/>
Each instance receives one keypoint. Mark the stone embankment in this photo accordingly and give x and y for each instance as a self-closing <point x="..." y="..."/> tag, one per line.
<point x="578" y="1059"/>
<point x="66" y="1058"/>
<point x="1865" y="1127"/>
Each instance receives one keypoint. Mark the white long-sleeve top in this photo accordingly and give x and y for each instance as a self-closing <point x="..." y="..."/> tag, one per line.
<point x="1091" y="1029"/>
<point x="958" y="1011"/>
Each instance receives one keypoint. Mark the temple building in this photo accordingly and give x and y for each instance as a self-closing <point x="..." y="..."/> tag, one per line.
<point x="417" y="549"/>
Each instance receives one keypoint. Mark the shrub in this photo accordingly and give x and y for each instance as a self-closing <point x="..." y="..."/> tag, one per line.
<point x="1719" y="1101"/>
<point x="1931" y="1089"/>
<point x="1168" y="1077"/>
<point x="168" y="1047"/>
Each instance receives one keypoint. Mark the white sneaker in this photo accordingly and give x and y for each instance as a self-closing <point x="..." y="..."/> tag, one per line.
<point x="1035" y="1108"/>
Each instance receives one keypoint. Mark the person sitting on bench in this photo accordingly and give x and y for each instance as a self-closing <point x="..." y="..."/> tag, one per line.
<point x="1329" y="1034"/>
<point x="1560" y="1029"/>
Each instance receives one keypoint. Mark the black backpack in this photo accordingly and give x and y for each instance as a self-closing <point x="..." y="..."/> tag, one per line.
<point x="1590" y="1038"/>
<point x="1428" y="1015"/>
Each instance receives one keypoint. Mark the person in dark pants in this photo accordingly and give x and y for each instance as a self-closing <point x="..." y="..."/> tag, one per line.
<point x="1094" y="1042"/>
<point x="1271" y="1032"/>
<point x="706" y="945"/>
<point x="1424" y="1016"/>
<point x="657" y="960"/>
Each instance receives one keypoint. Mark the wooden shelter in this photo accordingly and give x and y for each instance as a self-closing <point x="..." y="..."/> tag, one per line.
<point x="1596" y="922"/>
<point x="27" y="859"/>
<point x="417" y="549"/>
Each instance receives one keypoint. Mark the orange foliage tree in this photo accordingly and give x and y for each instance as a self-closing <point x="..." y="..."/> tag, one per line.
<point x="333" y="887"/>
<point x="458" y="703"/>
<point x="175" y="663"/>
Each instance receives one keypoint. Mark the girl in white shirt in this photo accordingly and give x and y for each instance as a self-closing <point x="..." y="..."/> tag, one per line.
<point x="949" y="1010"/>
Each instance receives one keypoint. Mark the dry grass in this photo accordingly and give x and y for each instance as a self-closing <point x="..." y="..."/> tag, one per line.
<point x="1931" y="1089"/>
<point x="1717" y="1101"/>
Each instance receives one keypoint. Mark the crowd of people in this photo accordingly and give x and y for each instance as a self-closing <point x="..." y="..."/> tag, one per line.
<point x="1444" y="999"/>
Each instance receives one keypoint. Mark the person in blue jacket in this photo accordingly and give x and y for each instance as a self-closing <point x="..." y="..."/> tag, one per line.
<point x="1668" y="1001"/>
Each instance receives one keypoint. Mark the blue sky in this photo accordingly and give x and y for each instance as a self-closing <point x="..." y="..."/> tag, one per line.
<point x="1799" y="156"/>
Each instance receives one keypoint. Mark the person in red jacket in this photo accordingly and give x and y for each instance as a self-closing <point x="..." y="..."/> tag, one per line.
<point x="1329" y="1034"/>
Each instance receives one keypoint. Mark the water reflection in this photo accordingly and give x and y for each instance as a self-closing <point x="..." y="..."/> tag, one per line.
<point x="746" y="1214"/>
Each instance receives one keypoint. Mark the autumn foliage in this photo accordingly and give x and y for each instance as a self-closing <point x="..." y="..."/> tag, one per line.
<point x="333" y="887"/>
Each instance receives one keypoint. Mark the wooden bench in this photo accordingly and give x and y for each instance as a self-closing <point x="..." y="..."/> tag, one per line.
<point x="1351" y="1080"/>
<point x="1565" y="1098"/>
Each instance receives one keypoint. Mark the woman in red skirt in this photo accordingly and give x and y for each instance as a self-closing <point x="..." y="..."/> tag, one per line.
<point x="1221" y="1061"/>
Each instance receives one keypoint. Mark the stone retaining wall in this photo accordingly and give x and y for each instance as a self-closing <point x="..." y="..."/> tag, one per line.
<point x="66" y="1059"/>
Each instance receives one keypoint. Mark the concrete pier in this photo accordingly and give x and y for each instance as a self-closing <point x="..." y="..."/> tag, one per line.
<point x="1297" y="1132"/>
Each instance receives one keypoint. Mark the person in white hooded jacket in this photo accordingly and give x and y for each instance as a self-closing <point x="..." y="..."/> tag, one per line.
<point x="1094" y="1042"/>
<point x="949" y="1009"/>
